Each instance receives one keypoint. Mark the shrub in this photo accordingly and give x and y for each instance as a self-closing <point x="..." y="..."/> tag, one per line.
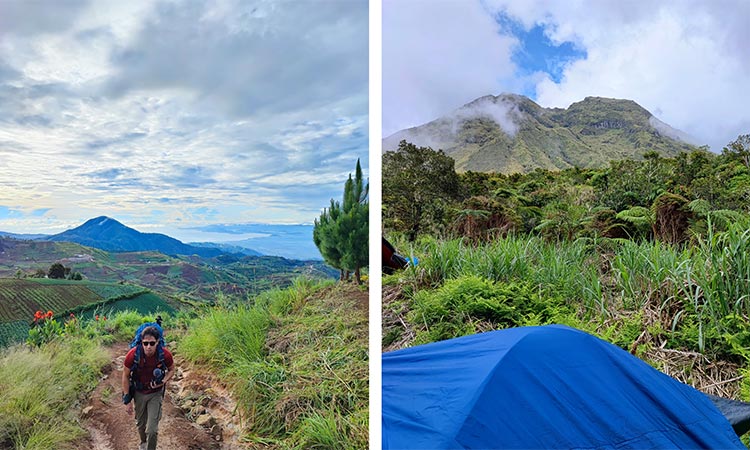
<point x="456" y="308"/>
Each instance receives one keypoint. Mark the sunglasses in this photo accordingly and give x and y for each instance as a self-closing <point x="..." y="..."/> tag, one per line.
<point x="148" y="343"/>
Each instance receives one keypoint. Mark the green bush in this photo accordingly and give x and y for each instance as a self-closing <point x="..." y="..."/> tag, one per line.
<point x="455" y="308"/>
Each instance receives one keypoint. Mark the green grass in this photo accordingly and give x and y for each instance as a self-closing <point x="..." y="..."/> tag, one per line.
<point x="37" y="389"/>
<point x="698" y="297"/>
<point x="296" y="360"/>
<point x="555" y="268"/>
<point x="467" y="304"/>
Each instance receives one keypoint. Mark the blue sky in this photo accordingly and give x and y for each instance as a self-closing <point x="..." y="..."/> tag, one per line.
<point x="686" y="61"/>
<point x="535" y="51"/>
<point x="170" y="116"/>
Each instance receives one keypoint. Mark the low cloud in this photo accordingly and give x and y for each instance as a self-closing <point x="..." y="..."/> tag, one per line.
<point x="442" y="133"/>
<point x="502" y="110"/>
<point x="668" y="131"/>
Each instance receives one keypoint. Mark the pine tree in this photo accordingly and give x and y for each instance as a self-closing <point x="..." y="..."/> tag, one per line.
<point x="341" y="234"/>
<point x="355" y="224"/>
<point x="325" y="236"/>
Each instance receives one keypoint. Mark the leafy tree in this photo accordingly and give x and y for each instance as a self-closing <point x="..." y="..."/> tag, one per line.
<point x="629" y="183"/>
<point x="739" y="149"/>
<point x="688" y="168"/>
<point x="563" y="221"/>
<point x="58" y="271"/>
<point x="419" y="184"/>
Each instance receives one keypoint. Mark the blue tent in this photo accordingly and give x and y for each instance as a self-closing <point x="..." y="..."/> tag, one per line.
<point x="540" y="387"/>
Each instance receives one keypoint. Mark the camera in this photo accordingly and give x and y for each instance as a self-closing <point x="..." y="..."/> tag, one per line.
<point x="158" y="376"/>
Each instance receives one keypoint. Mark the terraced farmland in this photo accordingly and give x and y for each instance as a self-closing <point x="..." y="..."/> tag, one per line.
<point x="20" y="298"/>
<point x="145" y="304"/>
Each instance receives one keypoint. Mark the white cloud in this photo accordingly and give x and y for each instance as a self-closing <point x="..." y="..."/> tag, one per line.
<point x="672" y="61"/>
<point x="438" y="56"/>
<point x="185" y="107"/>
<point x="686" y="61"/>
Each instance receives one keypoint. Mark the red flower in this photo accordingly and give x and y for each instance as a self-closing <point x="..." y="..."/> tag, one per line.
<point x="96" y="317"/>
<point x="104" y="318"/>
<point x="38" y="315"/>
<point x="72" y="316"/>
<point x="49" y="314"/>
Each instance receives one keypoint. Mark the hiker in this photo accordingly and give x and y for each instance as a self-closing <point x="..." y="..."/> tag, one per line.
<point x="152" y="367"/>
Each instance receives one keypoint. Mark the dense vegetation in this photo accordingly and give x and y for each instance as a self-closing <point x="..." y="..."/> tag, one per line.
<point x="296" y="360"/>
<point x="664" y="199"/>
<point x="651" y="255"/>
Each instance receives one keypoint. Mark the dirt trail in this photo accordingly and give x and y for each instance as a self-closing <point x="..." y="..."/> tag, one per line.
<point x="111" y="428"/>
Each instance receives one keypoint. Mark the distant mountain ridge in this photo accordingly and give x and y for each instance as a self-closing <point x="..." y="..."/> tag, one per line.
<point x="227" y="248"/>
<point x="510" y="133"/>
<point x="108" y="234"/>
<point x="22" y="235"/>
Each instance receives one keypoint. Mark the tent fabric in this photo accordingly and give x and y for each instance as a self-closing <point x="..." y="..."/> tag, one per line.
<point x="737" y="413"/>
<point x="540" y="387"/>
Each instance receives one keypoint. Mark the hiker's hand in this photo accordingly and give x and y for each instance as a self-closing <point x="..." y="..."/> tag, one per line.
<point x="129" y="408"/>
<point x="155" y="385"/>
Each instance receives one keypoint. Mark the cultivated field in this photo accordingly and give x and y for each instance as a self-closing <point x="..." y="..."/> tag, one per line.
<point x="21" y="298"/>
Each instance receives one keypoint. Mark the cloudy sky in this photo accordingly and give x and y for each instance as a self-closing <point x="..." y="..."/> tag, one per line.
<point x="686" y="61"/>
<point x="172" y="115"/>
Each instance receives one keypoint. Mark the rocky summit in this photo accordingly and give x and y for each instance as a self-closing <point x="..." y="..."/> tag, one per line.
<point x="510" y="133"/>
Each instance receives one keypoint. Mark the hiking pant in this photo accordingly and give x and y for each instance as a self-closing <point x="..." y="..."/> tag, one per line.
<point x="147" y="415"/>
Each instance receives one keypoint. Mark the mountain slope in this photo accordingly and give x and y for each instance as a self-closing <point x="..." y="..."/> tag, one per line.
<point x="108" y="234"/>
<point x="184" y="277"/>
<point x="510" y="133"/>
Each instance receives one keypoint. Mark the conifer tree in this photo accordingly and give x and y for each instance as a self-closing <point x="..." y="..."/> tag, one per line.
<point x="325" y="236"/>
<point x="354" y="224"/>
<point x="341" y="233"/>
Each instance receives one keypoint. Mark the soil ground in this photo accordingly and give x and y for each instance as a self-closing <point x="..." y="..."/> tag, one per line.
<point x="112" y="428"/>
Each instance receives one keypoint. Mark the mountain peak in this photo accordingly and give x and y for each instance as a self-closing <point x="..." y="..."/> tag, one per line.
<point x="611" y="103"/>
<point x="102" y="220"/>
<point x="510" y="133"/>
<point x="108" y="234"/>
